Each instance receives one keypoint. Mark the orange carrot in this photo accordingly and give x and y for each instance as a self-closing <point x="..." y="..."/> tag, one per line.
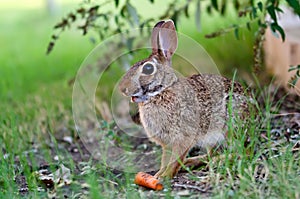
<point x="147" y="180"/>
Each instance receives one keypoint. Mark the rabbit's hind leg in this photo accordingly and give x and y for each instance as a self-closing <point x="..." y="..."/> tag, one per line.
<point x="199" y="160"/>
<point x="212" y="155"/>
<point x="196" y="161"/>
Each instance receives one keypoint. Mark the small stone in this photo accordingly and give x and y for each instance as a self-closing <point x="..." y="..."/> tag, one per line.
<point x="68" y="139"/>
<point x="183" y="193"/>
<point x="231" y="193"/>
<point x="56" y="158"/>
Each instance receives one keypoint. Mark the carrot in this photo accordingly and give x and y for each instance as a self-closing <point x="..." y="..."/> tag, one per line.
<point x="147" y="180"/>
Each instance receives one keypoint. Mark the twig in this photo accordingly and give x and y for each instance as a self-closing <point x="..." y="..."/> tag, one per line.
<point x="110" y="181"/>
<point x="284" y="114"/>
<point x="190" y="187"/>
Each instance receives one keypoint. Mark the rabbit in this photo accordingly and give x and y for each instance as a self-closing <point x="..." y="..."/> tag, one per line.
<point x="177" y="112"/>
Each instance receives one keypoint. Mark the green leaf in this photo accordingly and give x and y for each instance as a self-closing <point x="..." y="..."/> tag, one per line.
<point x="248" y="25"/>
<point x="271" y="11"/>
<point x="123" y="10"/>
<point x="116" y="19"/>
<point x="294" y="81"/>
<point x="236" y="32"/>
<point x="260" y="6"/>
<point x="198" y="16"/>
<point x="133" y="13"/>
<point x="54" y="37"/>
<point x="175" y="18"/>
<point x="279" y="9"/>
<point x="294" y="68"/>
<point x="223" y="7"/>
<point x="93" y="9"/>
<point x="295" y="4"/>
<point x="81" y="11"/>
<point x="254" y="13"/>
<point x="50" y="47"/>
<point x="152" y="1"/>
<point x="262" y="24"/>
<point x="275" y="27"/>
<point x="186" y="11"/>
<point x="237" y="4"/>
<point x="208" y="9"/>
<point x="116" y="3"/>
<point x="214" y="3"/>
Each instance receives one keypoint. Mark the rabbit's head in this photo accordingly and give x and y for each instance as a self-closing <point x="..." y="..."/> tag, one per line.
<point x="151" y="76"/>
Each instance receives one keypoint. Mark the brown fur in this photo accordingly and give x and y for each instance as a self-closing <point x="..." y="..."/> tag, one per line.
<point x="179" y="113"/>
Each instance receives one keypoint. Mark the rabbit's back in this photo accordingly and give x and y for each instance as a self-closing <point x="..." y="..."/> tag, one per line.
<point x="192" y="109"/>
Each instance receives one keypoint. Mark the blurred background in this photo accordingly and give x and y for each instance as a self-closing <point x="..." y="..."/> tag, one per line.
<point x="27" y="27"/>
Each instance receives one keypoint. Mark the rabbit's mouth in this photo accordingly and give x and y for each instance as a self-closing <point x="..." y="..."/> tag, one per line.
<point x="146" y="94"/>
<point x="139" y="99"/>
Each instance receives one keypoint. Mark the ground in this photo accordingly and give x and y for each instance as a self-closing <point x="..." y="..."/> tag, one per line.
<point x="57" y="164"/>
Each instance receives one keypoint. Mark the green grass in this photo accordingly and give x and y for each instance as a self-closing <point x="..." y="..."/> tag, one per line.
<point x="25" y="67"/>
<point x="36" y="114"/>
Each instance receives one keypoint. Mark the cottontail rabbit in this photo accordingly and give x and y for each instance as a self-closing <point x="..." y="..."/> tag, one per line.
<point x="179" y="113"/>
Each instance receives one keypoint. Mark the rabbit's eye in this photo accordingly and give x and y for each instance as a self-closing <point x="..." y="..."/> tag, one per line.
<point x="148" y="69"/>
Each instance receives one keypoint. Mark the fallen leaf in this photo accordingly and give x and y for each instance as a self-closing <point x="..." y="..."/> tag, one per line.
<point x="62" y="176"/>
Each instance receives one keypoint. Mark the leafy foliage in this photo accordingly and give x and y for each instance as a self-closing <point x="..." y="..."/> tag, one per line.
<point x="115" y="16"/>
<point x="106" y="22"/>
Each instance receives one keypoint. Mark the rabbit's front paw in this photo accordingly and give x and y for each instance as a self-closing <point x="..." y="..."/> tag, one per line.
<point x="170" y="171"/>
<point x="165" y="173"/>
<point x="159" y="173"/>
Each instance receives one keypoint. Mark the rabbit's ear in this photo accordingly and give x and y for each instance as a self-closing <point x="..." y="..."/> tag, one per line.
<point x="154" y="37"/>
<point x="164" y="38"/>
